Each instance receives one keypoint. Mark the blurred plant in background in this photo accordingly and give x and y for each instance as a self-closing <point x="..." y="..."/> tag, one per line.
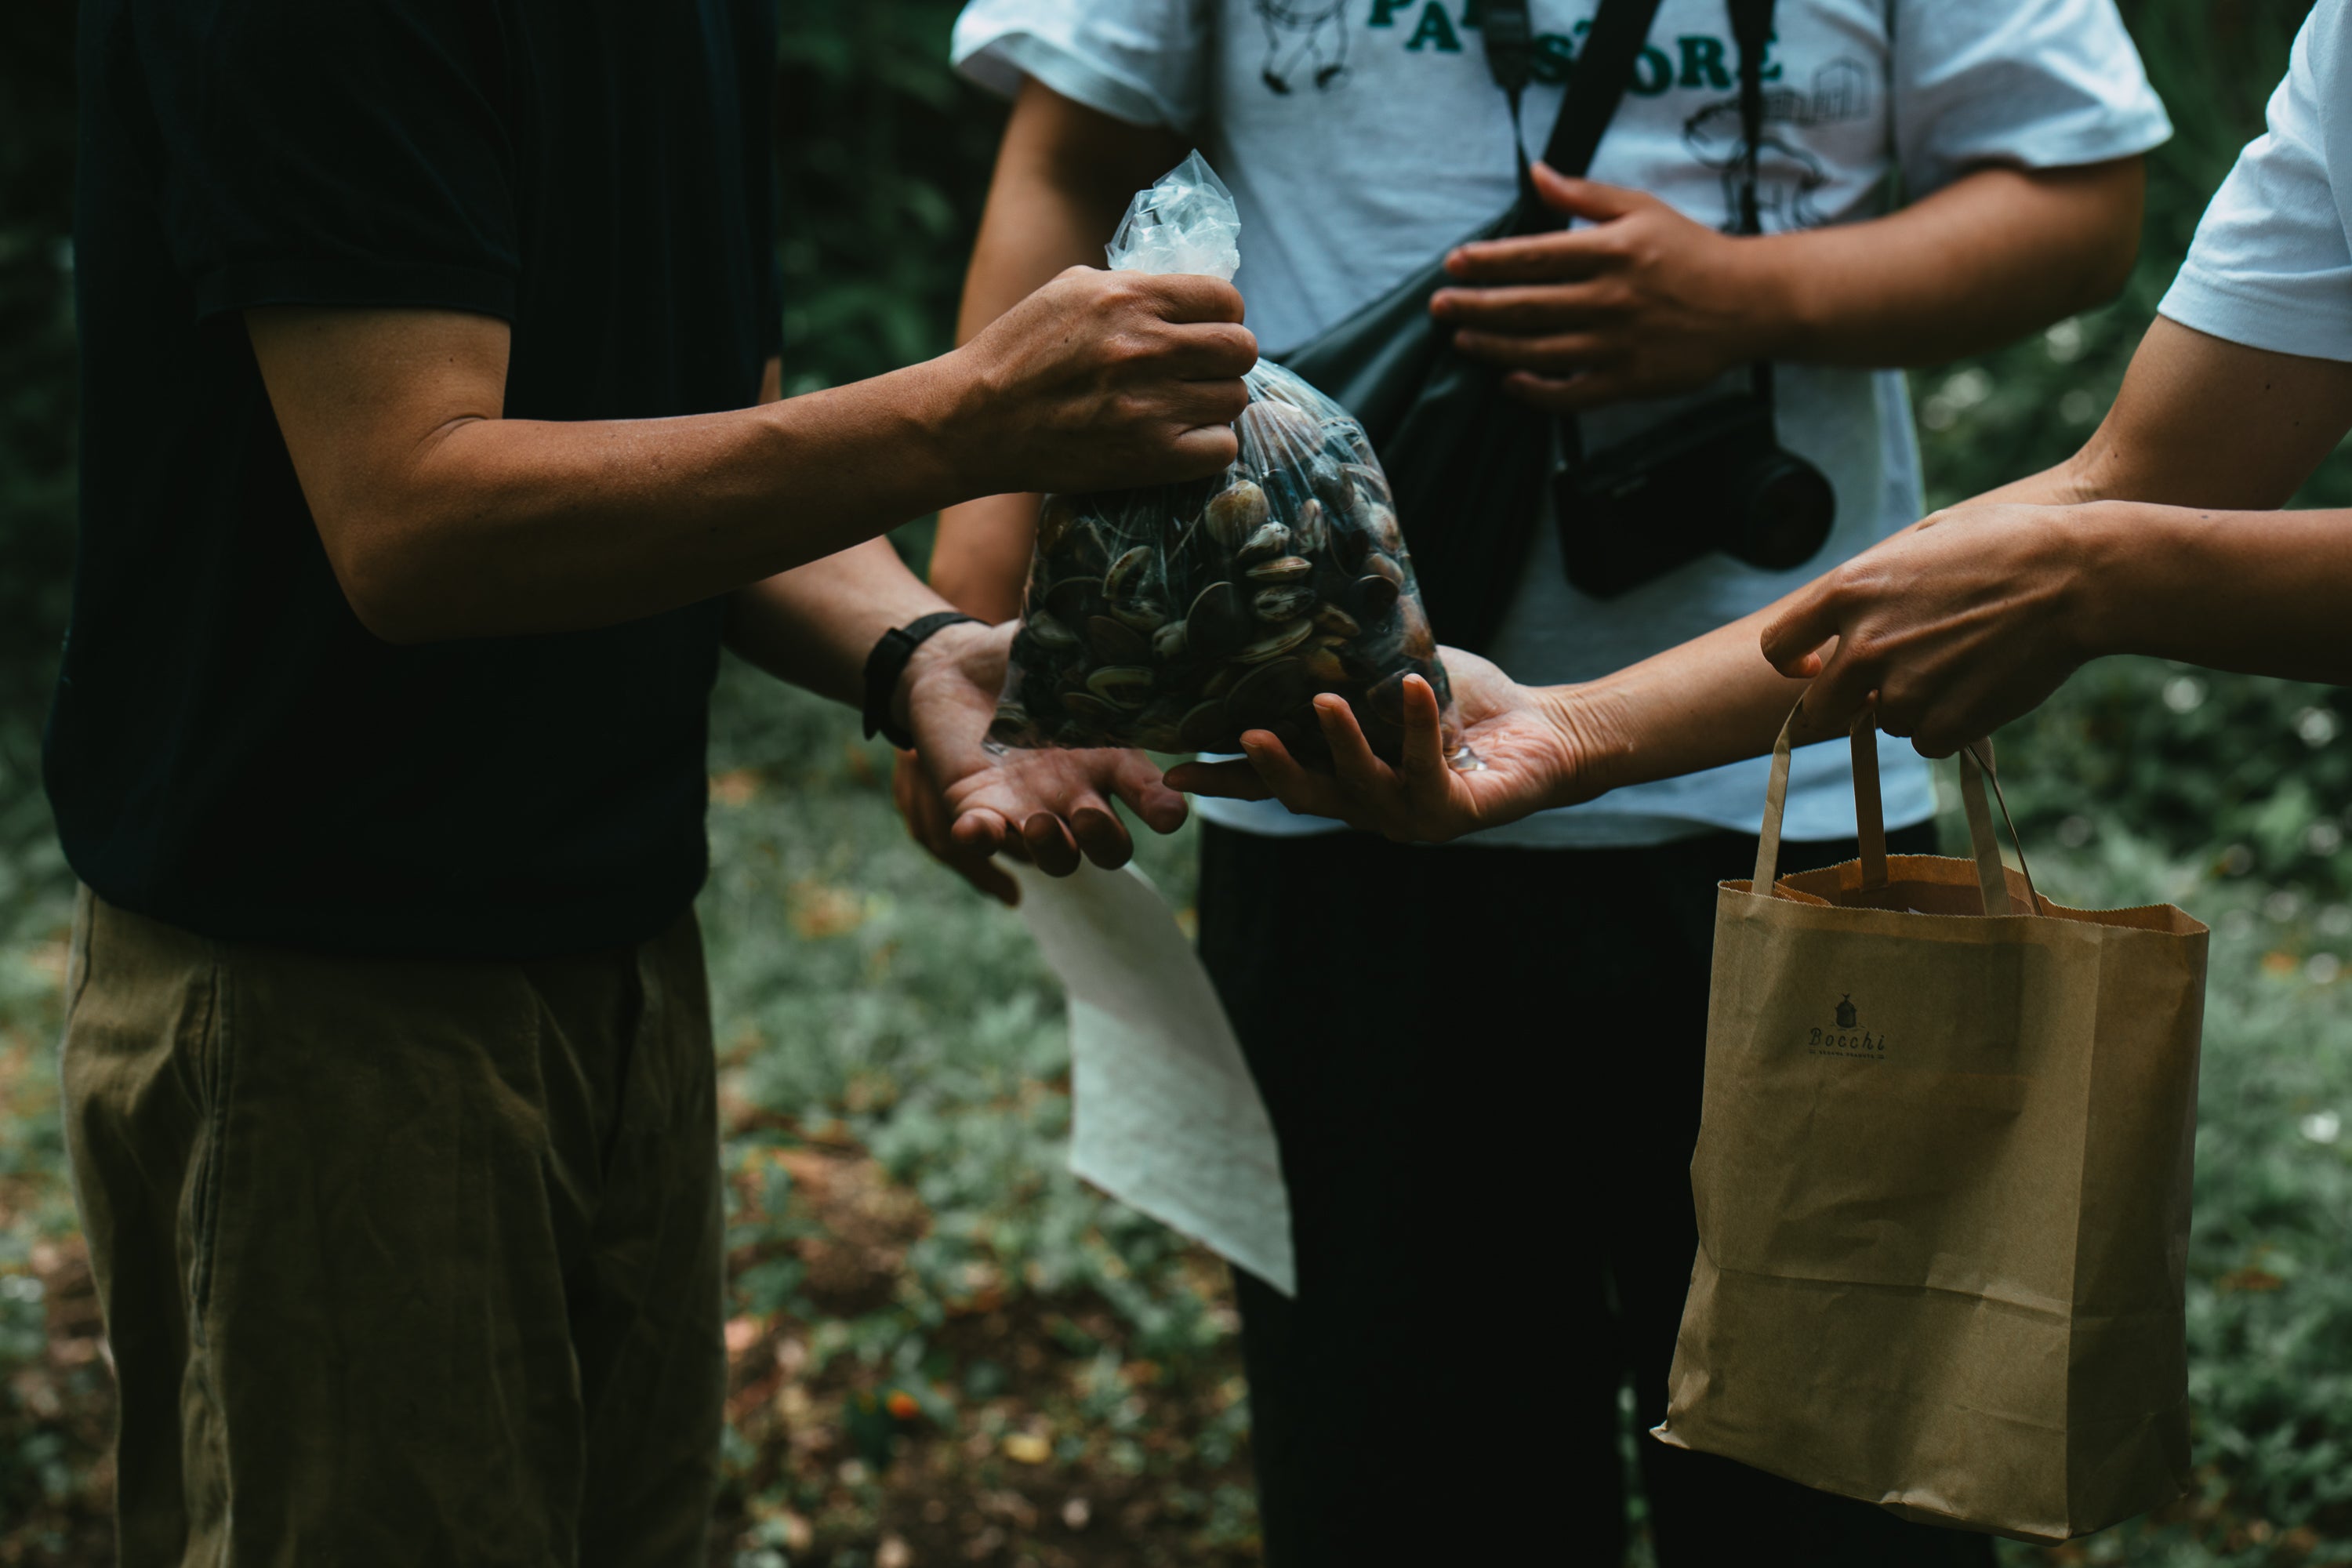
<point x="947" y="1349"/>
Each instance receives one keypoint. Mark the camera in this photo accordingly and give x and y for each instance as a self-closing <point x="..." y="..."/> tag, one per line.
<point x="1713" y="477"/>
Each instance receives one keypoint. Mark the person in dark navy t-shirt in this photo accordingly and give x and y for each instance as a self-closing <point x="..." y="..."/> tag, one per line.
<point x="432" y="451"/>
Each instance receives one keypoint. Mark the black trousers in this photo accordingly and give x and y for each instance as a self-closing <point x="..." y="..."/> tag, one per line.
<point x="1484" y="1068"/>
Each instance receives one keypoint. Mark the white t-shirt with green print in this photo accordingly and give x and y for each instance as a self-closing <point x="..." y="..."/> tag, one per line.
<point x="1362" y="137"/>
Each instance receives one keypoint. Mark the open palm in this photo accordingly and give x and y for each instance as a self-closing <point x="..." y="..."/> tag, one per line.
<point x="1046" y="806"/>
<point x="1525" y="760"/>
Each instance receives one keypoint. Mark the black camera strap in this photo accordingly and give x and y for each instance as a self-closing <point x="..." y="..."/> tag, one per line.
<point x="1597" y="84"/>
<point x="1751" y="30"/>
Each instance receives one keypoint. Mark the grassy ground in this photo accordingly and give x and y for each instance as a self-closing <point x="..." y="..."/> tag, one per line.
<point x="946" y="1350"/>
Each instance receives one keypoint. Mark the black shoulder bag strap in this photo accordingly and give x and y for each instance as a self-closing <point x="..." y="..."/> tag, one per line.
<point x="1469" y="465"/>
<point x="1596" y="83"/>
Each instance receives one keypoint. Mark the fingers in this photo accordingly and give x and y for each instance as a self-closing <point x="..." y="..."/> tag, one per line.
<point x="1572" y="256"/>
<point x="1101" y="837"/>
<point x="1559" y="355"/>
<point x="1220" y="351"/>
<point x="1793" y="640"/>
<point x="1524" y="311"/>
<point x="1302" y="792"/>
<point x="1234" y="780"/>
<point x="1352" y="760"/>
<point x="1137" y="782"/>
<point x="1051" y="848"/>
<point x="1584" y="198"/>
<point x="1190" y="297"/>
<point x="1566" y="395"/>
<point x="1427" y="774"/>
<point x="1195" y="454"/>
<point x="1841" y="690"/>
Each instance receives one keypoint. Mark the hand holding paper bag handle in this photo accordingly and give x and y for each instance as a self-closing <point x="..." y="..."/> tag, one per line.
<point x="1870" y="820"/>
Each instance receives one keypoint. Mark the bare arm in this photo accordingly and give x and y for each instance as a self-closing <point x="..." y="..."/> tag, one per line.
<point x="443" y="518"/>
<point x="1644" y="301"/>
<point x="1953" y="627"/>
<point x="2157" y="538"/>
<point x="1064" y="176"/>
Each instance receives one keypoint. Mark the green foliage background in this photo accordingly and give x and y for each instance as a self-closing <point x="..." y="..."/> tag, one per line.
<point x="923" y="1028"/>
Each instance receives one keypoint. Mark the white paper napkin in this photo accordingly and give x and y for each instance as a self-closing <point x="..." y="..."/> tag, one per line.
<point x="1166" y="1116"/>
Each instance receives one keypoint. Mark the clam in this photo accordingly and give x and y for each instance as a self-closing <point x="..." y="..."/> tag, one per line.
<point x="1380" y="524"/>
<point x="1224" y="681"/>
<point x="1115" y="642"/>
<point x="1288" y="602"/>
<point x="1050" y="633"/>
<point x="1087" y="708"/>
<point x="1168" y="642"/>
<point x="1379" y="565"/>
<point x="1126" y="575"/>
<point x="1121" y="686"/>
<point x="1271" y="540"/>
<point x="1268" y="693"/>
<point x="1331" y="619"/>
<point x="1146" y="615"/>
<point x="1218" y="622"/>
<point x="1309" y="526"/>
<point x="1330" y="480"/>
<point x="1277" y="642"/>
<point x="1204" y="728"/>
<point x="1282" y="569"/>
<point x="1236" y="513"/>
<point x="1324" y="663"/>
<point x="1376" y="596"/>
<point x="1281" y="431"/>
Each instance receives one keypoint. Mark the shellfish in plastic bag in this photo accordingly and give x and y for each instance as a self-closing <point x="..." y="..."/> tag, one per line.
<point x="1174" y="617"/>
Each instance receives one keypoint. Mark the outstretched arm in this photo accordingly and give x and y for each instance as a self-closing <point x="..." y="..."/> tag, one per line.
<point x="2158" y="538"/>
<point x="444" y="518"/>
<point x="2154" y="539"/>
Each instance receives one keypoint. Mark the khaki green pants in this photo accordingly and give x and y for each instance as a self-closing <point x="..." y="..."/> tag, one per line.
<point x="403" y="1262"/>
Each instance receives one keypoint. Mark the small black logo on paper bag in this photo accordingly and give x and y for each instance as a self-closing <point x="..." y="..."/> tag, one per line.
<point x="1847" y="1038"/>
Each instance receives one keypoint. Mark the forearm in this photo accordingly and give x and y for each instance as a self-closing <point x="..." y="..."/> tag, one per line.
<point x="1705" y="702"/>
<point x="520" y="526"/>
<point x="816" y="624"/>
<point x="1996" y="254"/>
<point x="2261" y="593"/>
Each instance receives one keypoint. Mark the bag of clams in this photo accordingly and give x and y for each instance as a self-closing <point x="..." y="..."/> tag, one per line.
<point x="1175" y="618"/>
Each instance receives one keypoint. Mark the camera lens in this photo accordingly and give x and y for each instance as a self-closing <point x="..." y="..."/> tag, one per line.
<point x="1790" y="509"/>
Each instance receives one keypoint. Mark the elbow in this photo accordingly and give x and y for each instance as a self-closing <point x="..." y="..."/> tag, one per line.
<point x="2114" y="247"/>
<point x="389" y="579"/>
<point x="2109" y="268"/>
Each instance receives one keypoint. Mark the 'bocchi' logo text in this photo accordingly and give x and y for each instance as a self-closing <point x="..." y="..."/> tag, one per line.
<point x="1849" y="1038"/>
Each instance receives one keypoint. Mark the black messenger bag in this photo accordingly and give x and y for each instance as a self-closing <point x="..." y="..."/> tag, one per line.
<point x="1467" y="462"/>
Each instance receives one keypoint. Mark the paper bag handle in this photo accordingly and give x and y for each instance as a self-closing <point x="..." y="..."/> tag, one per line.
<point x="1870" y="817"/>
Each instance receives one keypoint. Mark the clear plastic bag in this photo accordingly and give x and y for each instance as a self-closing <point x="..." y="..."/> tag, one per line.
<point x="1175" y="618"/>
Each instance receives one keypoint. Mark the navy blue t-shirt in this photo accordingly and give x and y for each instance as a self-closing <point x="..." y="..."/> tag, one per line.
<point x="230" y="750"/>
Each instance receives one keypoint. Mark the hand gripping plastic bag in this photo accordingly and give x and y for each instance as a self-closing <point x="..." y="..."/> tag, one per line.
<point x="1176" y="617"/>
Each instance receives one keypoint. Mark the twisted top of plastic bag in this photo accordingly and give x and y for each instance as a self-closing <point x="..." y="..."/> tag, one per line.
<point x="1185" y="223"/>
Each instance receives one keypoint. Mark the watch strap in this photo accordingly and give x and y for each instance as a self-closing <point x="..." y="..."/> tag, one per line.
<point x="887" y="663"/>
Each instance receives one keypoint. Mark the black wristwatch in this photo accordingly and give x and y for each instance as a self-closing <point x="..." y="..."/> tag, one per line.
<point x="887" y="662"/>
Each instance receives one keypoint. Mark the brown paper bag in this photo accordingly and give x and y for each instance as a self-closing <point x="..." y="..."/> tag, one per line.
<point x="1942" y="1182"/>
